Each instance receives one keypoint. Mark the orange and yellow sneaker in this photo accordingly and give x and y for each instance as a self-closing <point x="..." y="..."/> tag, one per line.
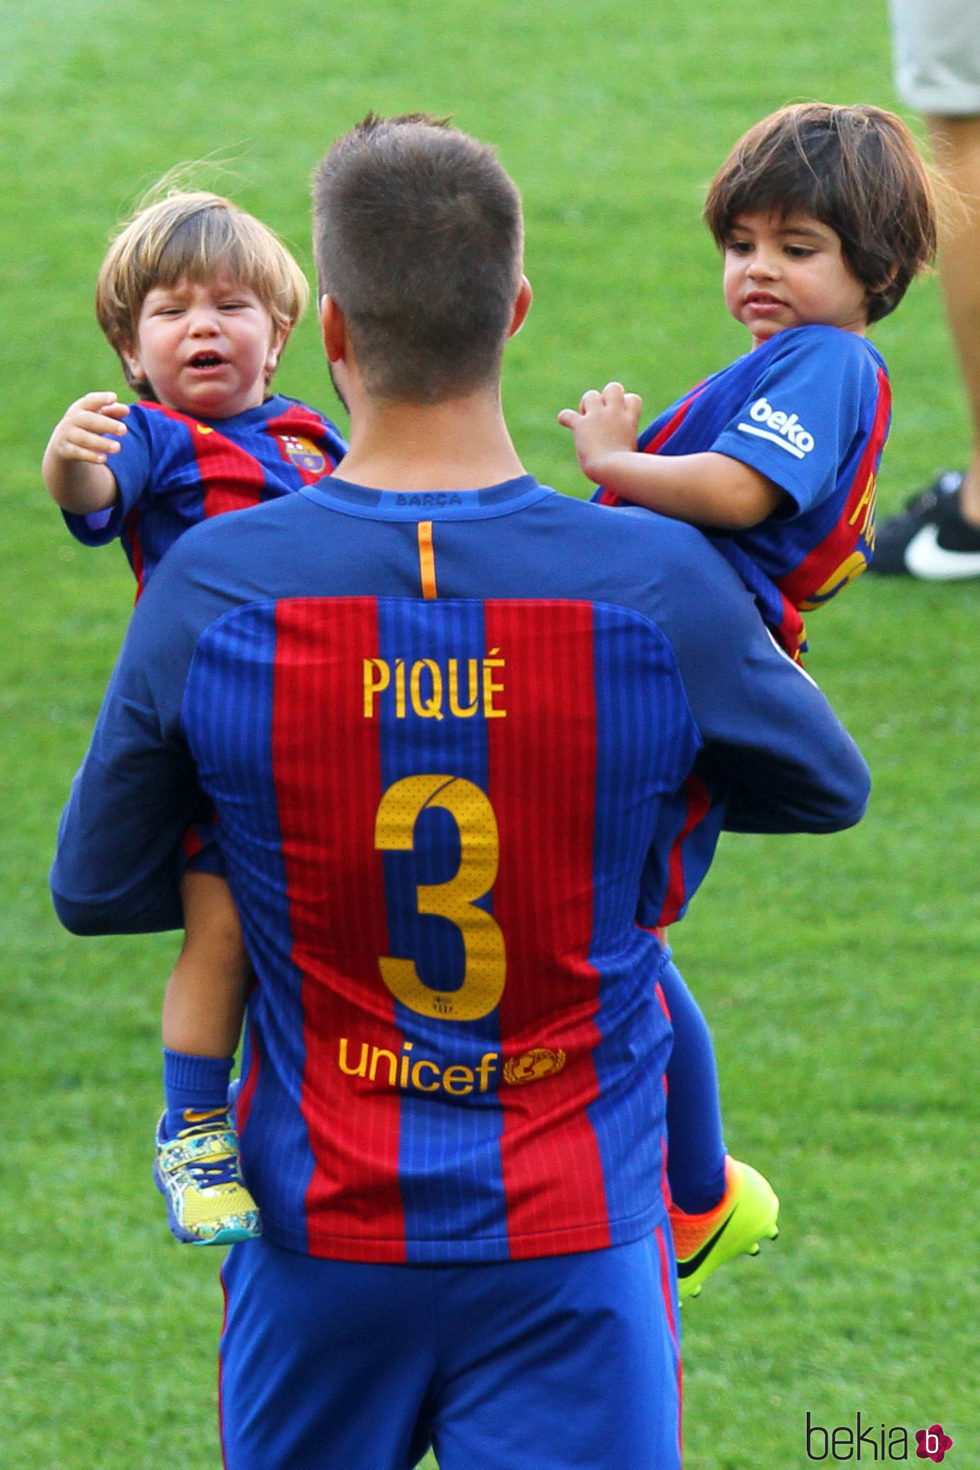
<point x="746" y="1214"/>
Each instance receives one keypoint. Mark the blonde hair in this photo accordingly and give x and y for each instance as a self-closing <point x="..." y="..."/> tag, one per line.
<point x="196" y="235"/>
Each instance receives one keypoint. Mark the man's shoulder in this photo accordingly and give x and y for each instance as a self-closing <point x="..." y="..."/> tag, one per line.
<point x="639" y="557"/>
<point x="227" y="534"/>
<point x="634" y="525"/>
<point x="624" y="554"/>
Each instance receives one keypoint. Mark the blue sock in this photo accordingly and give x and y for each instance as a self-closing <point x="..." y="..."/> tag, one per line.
<point x="194" y="1087"/>
<point x="695" y="1145"/>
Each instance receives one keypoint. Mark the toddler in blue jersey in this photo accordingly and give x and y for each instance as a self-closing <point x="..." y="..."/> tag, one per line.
<point x="198" y="298"/>
<point x="823" y="216"/>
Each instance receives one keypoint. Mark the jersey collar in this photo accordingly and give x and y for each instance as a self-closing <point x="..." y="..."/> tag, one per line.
<point x="411" y="505"/>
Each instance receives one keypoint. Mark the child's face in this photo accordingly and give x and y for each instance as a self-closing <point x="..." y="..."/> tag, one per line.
<point x="207" y="348"/>
<point x="790" y="272"/>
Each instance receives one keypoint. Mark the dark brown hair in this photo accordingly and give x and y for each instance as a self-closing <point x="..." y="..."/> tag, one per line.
<point x="418" y="237"/>
<point x="856" y="169"/>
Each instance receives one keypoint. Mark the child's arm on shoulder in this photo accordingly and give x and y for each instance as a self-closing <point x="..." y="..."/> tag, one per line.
<point x="74" y="465"/>
<point x="706" y="489"/>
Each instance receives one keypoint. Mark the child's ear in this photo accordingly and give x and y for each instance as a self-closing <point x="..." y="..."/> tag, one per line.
<point x="279" y="340"/>
<point x="132" y="364"/>
<point x="876" y="293"/>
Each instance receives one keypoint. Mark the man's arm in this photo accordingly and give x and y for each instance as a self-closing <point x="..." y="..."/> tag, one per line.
<point x="116" y="868"/>
<point x="772" y="743"/>
<point x="775" y="757"/>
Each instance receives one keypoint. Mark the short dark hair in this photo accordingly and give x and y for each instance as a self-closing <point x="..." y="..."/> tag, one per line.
<point x="856" y="169"/>
<point x="418" y="237"/>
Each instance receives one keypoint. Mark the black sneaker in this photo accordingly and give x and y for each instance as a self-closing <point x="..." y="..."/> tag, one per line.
<point x="929" y="539"/>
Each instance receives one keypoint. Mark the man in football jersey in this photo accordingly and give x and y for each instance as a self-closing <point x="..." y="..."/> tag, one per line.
<point x="443" y="713"/>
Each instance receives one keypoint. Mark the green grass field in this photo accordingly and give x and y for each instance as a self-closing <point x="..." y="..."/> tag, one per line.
<point x="839" y="973"/>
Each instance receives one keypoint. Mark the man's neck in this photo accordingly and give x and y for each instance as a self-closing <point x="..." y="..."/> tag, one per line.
<point x="462" y="444"/>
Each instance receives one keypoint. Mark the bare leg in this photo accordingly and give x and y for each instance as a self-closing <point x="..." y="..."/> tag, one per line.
<point x="956" y="142"/>
<point x="197" y="1167"/>
<point x="205" y="997"/>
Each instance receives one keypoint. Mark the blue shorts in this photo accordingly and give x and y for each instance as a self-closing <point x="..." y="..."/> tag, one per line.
<point x="544" y="1364"/>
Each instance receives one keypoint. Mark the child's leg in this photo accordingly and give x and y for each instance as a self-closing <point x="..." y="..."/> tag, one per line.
<point x="203" y="1005"/>
<point x="695" y="1146"/>
<point x="720" y="1208"/>
<point x="197" y="1167"/>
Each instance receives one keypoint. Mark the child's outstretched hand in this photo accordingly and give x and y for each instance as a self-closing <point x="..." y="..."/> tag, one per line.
<point x="81" y="433"/>
<point x="604" y="424"/>
<point x="74" y="465"/>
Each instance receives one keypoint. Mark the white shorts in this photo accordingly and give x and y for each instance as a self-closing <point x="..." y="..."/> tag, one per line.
<point x="937" y="55"/>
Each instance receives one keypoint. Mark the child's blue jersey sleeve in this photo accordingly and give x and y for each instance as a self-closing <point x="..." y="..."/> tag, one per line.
<point x="173" y="470"/>
<point x="810" y="410"/>
<point x="131" y="468"/>
<point x="808" y="401"/>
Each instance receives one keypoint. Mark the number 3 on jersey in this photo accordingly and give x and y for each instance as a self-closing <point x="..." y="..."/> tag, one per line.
<point x="485" y="967"/>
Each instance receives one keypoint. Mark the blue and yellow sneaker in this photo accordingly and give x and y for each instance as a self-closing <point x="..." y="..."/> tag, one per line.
<point x="746" y="1214"/>
<point x="199" y="1175"/>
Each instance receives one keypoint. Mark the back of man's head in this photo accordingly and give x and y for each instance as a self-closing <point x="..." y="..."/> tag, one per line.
<point x="418" y="237"/>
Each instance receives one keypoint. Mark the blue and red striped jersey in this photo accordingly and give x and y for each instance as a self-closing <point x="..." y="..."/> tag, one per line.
<point x="446" y="736"/>
<point x="173" y="470"/>
<point x="810" y="410"/>
<point x="453" y="908"/>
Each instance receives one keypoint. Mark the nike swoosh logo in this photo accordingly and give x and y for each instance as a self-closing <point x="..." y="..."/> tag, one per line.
<point x="925" y="558"/>
<point x="190" y="1116"/>
<point x="688" y="1267"/>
